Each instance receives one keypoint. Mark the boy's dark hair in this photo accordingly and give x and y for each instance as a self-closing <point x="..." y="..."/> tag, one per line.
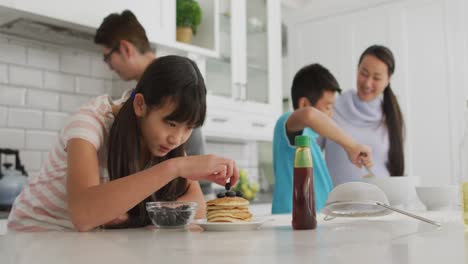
<point x="116" y="27"/>
<point x="310" y="82"/>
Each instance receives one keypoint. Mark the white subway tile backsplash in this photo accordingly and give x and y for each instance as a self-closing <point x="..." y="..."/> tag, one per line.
<point x="100" y="69"/>
<point x="59" y="82"/>
<point x="3" y="116"/>
<point x="30" y="118"/>
<point x="75" y="63"/>
<point x="25" y="76"/>
<point x="90" y="86"/>
<point x="55" y="120"/>
<point x="71" y="103"/>
<point x="32" y="160"/>
<point x="12" y="53"/>
<point x="42" y="100"/>
<point x="44" y="59"/>
<point x="24" y="118"/>
<point x="12" y="96"/>
<point x="12" y="138"/>
<point x="3" y="73"/>
<point x="45" y="155"/>
<point x="109" y="88"/>
<point x="119" y="87"/>
<point x="40" y="140"/>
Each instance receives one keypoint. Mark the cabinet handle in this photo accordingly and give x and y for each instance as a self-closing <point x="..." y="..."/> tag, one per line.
<point x="237" y="92"/>
<point x="243" y="91"/>
<point x="257" y="124"/>
<point x="219" y="119"/>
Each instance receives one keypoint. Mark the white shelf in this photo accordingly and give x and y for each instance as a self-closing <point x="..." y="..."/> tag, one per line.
<point x="194" y="49"/>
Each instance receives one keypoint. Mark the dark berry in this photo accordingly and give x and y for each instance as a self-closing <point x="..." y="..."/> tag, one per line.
<point x="185" y="215"/>
<point x="221" y="195"/>
<point x="231" y="194"/>
<point x="182" y="207"/>
<point x="228" y="186"/>
<point x="172" y="219"/>
<point x="238" y="193"/>
<point x="180" y="221"/>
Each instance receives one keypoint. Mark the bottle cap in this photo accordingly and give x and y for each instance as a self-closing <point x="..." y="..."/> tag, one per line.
<point x="302" y="141"/>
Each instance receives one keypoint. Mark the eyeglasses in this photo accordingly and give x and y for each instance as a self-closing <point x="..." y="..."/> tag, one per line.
<point x="106" y="57"/>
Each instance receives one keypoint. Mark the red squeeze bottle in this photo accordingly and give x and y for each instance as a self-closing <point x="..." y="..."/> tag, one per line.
<point x="303" y="214"/>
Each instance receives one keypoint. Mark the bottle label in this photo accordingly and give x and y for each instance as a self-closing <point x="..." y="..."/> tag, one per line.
<point x="303" y="158"/>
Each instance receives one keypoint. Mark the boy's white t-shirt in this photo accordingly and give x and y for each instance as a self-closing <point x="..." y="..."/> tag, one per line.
<point x="42" y="204"/>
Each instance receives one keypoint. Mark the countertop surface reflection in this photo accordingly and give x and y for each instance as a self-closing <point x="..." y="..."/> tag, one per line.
<point x="390" y="239"/>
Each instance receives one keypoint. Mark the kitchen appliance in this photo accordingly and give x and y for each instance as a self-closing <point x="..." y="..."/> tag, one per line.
<point x="12" y="179"/>
<point x="359" y="199"/>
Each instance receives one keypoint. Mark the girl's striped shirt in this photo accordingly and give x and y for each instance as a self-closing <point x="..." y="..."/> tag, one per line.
<point x="42" y="205"/>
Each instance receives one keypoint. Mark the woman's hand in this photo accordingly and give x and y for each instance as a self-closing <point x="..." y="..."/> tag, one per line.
<point x="360" y="155"/>
<point x="208" y="167"/>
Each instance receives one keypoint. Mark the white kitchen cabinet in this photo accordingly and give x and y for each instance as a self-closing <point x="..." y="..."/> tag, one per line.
<point x="157" y="16"/>
<point x="244" y="83"/>
<point x="206" y="40"/>
<point x="426" y="37"/>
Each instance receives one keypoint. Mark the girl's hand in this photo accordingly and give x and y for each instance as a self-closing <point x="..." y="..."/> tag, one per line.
<point x="360" y="155"/>
<point x="208" y="167"/>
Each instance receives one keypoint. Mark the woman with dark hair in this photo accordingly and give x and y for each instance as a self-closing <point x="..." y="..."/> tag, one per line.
<point x="372" y="116"/>
<point x="111" y="158"/>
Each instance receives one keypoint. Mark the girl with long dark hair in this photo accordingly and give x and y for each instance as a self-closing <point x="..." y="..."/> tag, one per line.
<point x="113" y="157"/>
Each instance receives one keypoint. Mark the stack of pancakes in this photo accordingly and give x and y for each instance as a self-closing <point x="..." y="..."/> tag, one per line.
<point x="228" y="209"/>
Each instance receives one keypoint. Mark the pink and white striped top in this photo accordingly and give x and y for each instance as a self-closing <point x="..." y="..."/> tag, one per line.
<point x="42" y="205"/>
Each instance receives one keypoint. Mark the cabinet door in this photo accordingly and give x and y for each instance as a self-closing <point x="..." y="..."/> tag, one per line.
<point x="261" y="69"/>
<point x="151" y="14"/>
<point x="219" y="71"/>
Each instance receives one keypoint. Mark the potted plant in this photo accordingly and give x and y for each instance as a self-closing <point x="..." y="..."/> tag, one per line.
<point x="188" y="19"/>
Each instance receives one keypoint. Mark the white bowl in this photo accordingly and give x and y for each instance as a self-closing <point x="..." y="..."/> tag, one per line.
<point x="438" y="197"/>
<point x="399" y="190"/>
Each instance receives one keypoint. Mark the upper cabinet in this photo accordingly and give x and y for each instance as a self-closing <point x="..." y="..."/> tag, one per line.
<point x="245" y="80"/>
<point x="205" y="39"/>
<point x="156" y="16"/>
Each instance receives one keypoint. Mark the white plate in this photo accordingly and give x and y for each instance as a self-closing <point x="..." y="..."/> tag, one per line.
<point x="254" y="224"/>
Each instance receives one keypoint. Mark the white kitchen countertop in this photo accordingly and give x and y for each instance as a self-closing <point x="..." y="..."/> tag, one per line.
<point x="390" y="239"/>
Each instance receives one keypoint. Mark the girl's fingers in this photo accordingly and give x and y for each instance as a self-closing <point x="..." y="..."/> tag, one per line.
<point x="222" y="170"/>
<point x="218" y="180"/>
<point x="235" y="174"/>
<point x="230" y="169"/>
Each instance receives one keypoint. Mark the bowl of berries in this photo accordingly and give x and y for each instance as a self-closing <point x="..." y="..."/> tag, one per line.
<point x="171" y="215"/>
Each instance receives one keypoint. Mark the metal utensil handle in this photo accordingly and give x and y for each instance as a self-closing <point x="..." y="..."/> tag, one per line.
<point x="328" y="218"/>
<point x="409" y="214"/>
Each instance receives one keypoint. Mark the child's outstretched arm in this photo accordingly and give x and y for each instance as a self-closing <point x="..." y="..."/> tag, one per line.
<point x="326" y="127"/>
<point x="92" y="204"/>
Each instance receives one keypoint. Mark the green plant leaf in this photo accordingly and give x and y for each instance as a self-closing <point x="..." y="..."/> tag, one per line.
<point x="189" y="14"/>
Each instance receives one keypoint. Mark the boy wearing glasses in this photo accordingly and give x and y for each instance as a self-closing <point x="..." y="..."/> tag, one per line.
<point x="127" y="51"/>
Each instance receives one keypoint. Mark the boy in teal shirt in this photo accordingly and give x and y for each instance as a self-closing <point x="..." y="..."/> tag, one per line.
<point x="313" y="94"/>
